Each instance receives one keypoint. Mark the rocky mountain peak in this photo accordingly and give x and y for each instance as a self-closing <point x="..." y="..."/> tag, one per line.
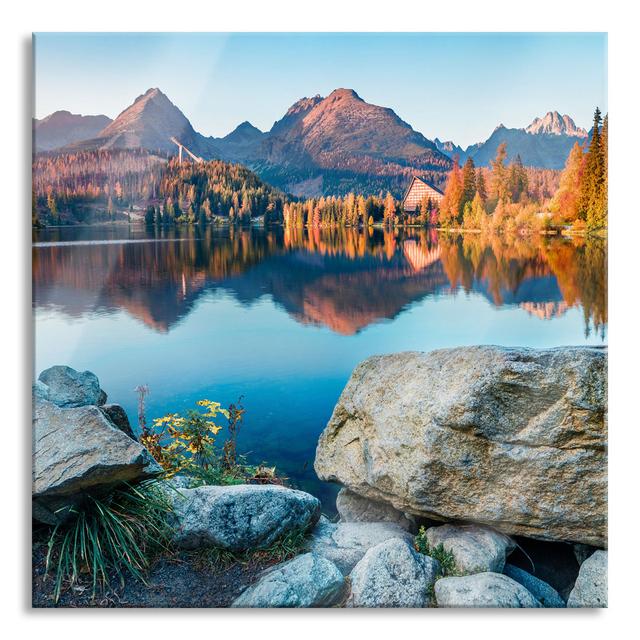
<point x="555" y="124"/>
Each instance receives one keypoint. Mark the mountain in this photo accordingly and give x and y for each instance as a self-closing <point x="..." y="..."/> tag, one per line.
<point x="545" y="143"/>
<point x="149" y="123"/>
<point x="62" y="127"/>
<point x="341" y="143"/>
<point x="451" y="149"/>
<point x="555" y="124"/>
<point x="242" y="144"/>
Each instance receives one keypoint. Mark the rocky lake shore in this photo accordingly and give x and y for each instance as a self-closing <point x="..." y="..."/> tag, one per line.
<point x="471" y="477"/>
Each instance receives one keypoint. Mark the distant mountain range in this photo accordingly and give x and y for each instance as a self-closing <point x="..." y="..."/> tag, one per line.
<point x="545" y="143"/>
<point x="62" y="128"/>
<point x="322" y="145"/>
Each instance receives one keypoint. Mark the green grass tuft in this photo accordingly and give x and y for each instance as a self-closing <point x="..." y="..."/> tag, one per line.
<point x="110" y="535"/>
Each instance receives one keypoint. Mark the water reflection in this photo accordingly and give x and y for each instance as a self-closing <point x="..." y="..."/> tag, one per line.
<point x="342" y="279"/>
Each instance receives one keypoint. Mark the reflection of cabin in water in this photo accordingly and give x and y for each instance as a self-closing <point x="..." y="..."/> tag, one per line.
<point x="419" y="190"/>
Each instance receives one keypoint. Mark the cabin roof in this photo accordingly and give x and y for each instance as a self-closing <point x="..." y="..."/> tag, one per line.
<point x="424" y="181"/>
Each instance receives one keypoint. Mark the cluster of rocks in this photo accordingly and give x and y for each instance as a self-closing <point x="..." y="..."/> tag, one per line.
<point x="479" y="444"/>
<point x="80" y="443"/>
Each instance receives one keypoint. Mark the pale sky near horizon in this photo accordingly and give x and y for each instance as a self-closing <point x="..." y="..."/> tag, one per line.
<point x="452" y="86"/>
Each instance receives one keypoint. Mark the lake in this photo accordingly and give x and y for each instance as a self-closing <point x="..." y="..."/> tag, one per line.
<point x="281" y="317"/>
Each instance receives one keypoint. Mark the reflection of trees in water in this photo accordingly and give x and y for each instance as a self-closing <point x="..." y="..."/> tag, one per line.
<point x="339" y="277"/>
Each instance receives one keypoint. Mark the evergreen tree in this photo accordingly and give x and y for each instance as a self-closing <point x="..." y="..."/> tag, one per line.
<point x="499" y="174"/>
<point x="592" y="204"/>
<point x="518" y="182"/>
<point x="468" y="182"/>
<point x="149" y="216"/>
<point x="481" y="187"/>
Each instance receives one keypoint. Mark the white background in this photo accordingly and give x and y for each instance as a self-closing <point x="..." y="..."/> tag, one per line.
<point x="21" y="18"/>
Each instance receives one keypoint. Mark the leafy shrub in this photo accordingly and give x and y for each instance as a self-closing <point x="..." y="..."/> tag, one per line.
<point x="109" y="535"/>
<point x="445" y="558"/>
<point x="188" y="445"/>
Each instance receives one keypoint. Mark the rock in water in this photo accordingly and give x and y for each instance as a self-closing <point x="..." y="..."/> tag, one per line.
<point x="306" y="581"/>
<point x="544" y="593"/>
<point x="476" y="549"/>
<point x="483" y="590"/>
<point x="512" y="438"/>
<point x="67" y="387"/>
<point x="590" y="589"/>
<point x="241" y="517"/>
<point x="346" y="543"/>
<point x="393" y="574"/>
<point x="76" y="450"/>
<point x="354" y="508"/>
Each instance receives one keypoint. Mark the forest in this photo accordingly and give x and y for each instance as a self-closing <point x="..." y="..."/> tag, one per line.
<point x="134" y="185"/>
<point x="515" y="198"/>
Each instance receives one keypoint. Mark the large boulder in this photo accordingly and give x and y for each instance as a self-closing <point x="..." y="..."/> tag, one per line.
<point x="544" y="593"/>
<point x="512" y="438"/>
<point x="118" y="416"/>
<point x="306" y="581"/>
<point x="240" y="517"/>
<point x="76" y="450"/>
<point x="590" y="589"/>
<point x="476" y="549"/>
<point x="393" y="574"/>
<point x="345" y="543"/>
<point x="354" y="508"/>
<point x="67" y="387"/>
<point x="483" y="590"/>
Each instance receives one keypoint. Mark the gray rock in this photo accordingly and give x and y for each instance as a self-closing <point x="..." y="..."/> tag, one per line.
<point x="483" y="590"/>
<point x="512" y="438"/>
<point x="119" y="417"/>
<point x="76" y="450"/>
<point x="544" y="593"/>
<point x="591" y="586"/>
<point x="392" y="574"/>
<point x="476" y="549"/>
<point x="306" y="581"/>
<point x="583" y="551"/>
<point x="67" y="387"/>
<point x="345" y="543"/>
<point x="241" y="517"/>
<point x="354" y="508"/>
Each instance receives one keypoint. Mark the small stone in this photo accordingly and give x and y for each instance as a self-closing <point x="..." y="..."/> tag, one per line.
<point x="476" y="549"/>
<point x="590" y="590"/>
<point x="546" y="595"/>
<point x="393" y="574"/>
<point x="345" y="543"/>
<point x="306" y="581"/>
<point x="483" y="590"/>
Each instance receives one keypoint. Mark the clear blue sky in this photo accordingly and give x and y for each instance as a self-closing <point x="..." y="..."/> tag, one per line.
<point x="451" y="86"/>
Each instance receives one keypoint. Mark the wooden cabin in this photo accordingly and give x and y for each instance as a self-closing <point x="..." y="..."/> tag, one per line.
<point x="418" y="190"/>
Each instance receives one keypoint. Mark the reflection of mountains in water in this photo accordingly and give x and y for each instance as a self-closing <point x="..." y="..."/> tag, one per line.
<point x="341" y="280"/>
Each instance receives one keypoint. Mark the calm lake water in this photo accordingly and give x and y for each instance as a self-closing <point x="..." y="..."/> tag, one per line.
<point x="281" y="318"/>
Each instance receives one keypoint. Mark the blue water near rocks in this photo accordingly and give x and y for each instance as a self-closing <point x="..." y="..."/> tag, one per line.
<point x="281" y="317"/>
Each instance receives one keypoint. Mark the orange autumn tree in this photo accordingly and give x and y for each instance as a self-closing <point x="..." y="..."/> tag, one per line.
<point x="453" y="192"/>
<point x="567" y="199"/>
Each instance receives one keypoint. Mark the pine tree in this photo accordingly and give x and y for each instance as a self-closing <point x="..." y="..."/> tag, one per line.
<point x="468" y="182"/>
<point x="518" y="181"/>
<point x="481" y="187"/>
<point x="592" y="193"/>
<point x="499" y="174"/>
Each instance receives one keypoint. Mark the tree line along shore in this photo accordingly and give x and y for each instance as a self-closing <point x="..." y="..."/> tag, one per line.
<point x="139" y="186"/>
